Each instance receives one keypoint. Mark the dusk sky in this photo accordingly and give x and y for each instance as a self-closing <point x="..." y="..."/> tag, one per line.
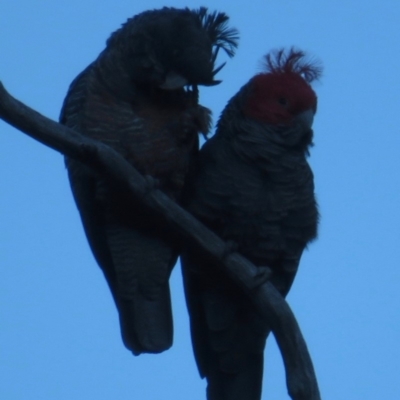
<point x="59" y="331"/>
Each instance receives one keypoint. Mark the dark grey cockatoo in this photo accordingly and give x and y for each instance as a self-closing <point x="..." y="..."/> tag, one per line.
<point x="254" y="188"/>
<point x="140" y="97"/>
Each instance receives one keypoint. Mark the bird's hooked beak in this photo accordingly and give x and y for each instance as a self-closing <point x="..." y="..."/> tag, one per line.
<point x="306" y="118"/>
<point x="174" y="81"/>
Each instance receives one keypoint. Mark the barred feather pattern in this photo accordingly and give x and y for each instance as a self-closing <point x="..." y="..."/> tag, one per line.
<point x="136" y="263"/>
<point x="254" y="188"/>
<point x="117" y="100"/>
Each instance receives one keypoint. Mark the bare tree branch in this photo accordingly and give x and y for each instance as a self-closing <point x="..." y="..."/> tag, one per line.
<point x="300" y="376"/>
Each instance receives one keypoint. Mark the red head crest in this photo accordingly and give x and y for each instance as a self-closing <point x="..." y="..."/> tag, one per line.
<point x="283" y="90"/>
<point x="293" y="62"/>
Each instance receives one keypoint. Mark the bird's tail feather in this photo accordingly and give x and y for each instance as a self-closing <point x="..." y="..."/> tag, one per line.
<point x="143" y="265"/>
<point x="146" y="325"/>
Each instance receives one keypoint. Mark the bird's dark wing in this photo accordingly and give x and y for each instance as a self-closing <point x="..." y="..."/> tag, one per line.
<point x="128" y="244"/>
<point x="228" y="335"/>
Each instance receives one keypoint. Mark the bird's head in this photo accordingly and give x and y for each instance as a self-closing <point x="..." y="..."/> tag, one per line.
<point x="282" y="95"/>
<point x="171" y="48"/>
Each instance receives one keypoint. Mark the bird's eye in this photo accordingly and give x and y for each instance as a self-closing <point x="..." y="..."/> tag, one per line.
<point x="283" y="101"/>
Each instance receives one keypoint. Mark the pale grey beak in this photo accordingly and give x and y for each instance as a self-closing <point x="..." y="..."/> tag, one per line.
<point x="306" y="118"/>
<point x="174" y="81"/>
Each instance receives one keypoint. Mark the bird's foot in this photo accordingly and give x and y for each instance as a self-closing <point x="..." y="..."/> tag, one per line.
<point x="196" y="120"/>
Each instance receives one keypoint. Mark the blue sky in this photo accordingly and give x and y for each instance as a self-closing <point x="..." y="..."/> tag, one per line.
<point x="59" y="334"/>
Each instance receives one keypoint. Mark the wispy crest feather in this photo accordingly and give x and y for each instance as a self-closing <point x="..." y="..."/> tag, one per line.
<point x="220" y="35"/>
<point x="293" y="61"/>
